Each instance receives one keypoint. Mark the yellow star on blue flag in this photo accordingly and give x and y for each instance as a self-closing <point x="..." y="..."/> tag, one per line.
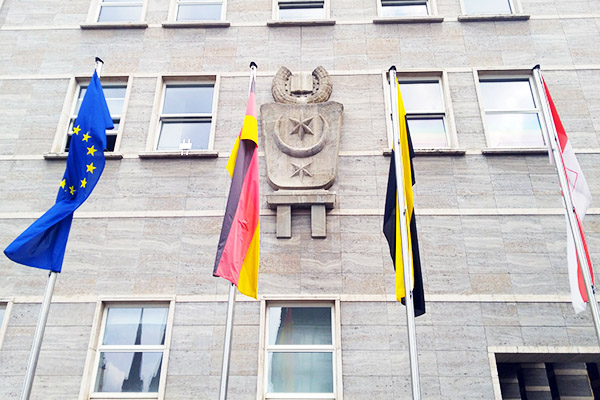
<point x="43" y="244"/>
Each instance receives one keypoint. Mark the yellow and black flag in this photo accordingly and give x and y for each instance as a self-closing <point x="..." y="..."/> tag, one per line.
<point x="391" y="222"/>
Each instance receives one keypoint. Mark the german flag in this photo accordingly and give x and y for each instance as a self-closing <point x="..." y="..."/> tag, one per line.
<point x="391" y="221"/>
<point x="237" y="253"/>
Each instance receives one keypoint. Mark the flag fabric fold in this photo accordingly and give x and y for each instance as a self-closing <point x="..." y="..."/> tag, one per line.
<point x="42" y="244"/>
<point x="237" y="251"/>
<point x="391" y="221"/>
<point x="582" y="198"/>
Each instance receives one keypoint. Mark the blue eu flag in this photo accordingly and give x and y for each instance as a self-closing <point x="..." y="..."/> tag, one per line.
<point x="43" y="244"/>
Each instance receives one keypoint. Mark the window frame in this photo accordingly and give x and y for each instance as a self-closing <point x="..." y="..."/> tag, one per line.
<point x="334" y="348"/>
<point x="174" y="9"/>
<point x="96" y="8"/>
<point x="326" y="10"/>
<point x="70" y="103"/>
<point x="448" y="115"/>
<point x="430" y="4"/>
<point x="96" y="348"/>
<point x="510" y="76"/>
<point x="159" y="99"/>
<point x="515" y="7"/>
<point x="6" y="304"/>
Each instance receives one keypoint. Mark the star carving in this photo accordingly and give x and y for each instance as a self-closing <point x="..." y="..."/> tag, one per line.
<point x="301" y="127"/>
<point x="301" y="170"/>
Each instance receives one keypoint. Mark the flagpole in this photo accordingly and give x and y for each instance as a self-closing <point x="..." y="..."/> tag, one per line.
<point x="406" y="258"/>
<point x="231" y="304"/>
<point x="38" y="336"/>
<point x="568" y="203"/>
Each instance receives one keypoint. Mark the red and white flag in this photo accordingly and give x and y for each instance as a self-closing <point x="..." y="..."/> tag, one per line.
<point x="580" y="193"/>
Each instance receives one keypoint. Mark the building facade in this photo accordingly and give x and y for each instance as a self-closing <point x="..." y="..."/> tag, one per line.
<point x="136" y="312"/>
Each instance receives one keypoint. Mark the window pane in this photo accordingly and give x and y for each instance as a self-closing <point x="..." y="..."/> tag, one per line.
<point x="300" y="325"/>
<point x="422" y="96"/>
<point x="173" y="133"/>
<point x="120" y="14"/>
<point x="487" y="7"/>
<point x="115" y="106"/>
<point x="514" y="130"/>
<point x="199" y="12"/>
<point x="2" y="311"/>
<point x="115" y="98"/>
<point x="304" y="10"/>
<point x="427" y="132"/>
<point x="403" y="10"/>
<point x="121" y="1"/>
<point x="128" y="372"/>
<point x="114" y="92"/>
<point x="135" y="325"/>
<point x="300" y="373"/>
<point x="189" y="99"/>
<point x="507" y="95"/>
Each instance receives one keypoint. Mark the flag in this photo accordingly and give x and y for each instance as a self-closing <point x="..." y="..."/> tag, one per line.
<point x="580" y="193"/>
<point x="391" y="221"/>
<point x="43" y="244"/>
<point x="237" y="252"/>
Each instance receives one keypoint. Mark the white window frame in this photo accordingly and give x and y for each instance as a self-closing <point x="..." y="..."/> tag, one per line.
<point x="334" y="348"/>
<point x="157" y="117"/>
<point x="96" y="7"/>
<point x="326" y="10"/>
<point x="174" y="8"/>
<point x="7" y="305"/>
<point x="96" y="347"/>
<point x="509" y="75"/>
<point x="68" y="111"/>
<point x="431" y="8"/>
<point x="515" y="7"/>
<point x="448" y="115"/>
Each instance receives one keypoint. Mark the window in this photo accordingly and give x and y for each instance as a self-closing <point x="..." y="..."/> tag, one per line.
<point x="131" y="351"/>
<point x="115" y="94"/>
<point x="478" y="7"/>
<point x="308" y="9"/>
<point x="425" y="112"/>
<point x="199" y="10"/>
<point x="511" y="112"/>
<point x="3" y="315"/>
<point x="300" y="351"/>
<point x="2" y="312"/>
<point x="185" y="120"/>
<point x="120" y="10"/>
<point x="404" y="8"/>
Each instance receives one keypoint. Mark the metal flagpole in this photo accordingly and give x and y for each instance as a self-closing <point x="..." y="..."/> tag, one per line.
<point x="406" y="256"/>
<point x="231" y="304"/>
<point x="568" y="202"/>
<point x="43" y="318"/>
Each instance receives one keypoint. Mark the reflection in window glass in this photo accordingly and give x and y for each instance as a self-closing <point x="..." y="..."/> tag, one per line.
<point x="291" y="10"/>
<point x="507" y="95"/>
<point x="427" y="132"/>
<point x="422" y="96"/>
<point x="199" y="12"/>
<point x="139" y="326"/>
<point x="173" y="133"/>
<point x="403" y="8"/>
<point x="514" y="130"/>
<point x="300" y="325"/>
<point x="188" y="99"/>
<point x="476" y="7"/>
<point x="120" y="13"/>
<point x="300" y="373"/>
<point x="128" y="372"/>
<point x="2" y="311"/>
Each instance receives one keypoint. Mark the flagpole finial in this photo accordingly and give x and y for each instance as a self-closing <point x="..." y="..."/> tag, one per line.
<point x="392" y="68"/>
<point x="99" y="60"/>
<point x="536" y="67"/>
<point x="253" y="64"/>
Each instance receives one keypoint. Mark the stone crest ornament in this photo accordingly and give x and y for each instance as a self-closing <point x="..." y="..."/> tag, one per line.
<point x="301" y="137"/>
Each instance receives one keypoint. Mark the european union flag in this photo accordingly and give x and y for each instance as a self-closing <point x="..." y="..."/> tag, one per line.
<point x="43" y="244"/>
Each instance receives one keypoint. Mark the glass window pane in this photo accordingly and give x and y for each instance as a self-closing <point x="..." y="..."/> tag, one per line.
<point x="300" y="325"/>
<point x="115" y="106"/>
<point x="135" y="326"/>
<point x="128" y="372"/>
<point x="120" y="14"/>
<point x="306" y="11"/>
<point x="507" y="95"/>
<point x="188" y="99"/>
<point x="422" y="96"/>
<point x="427" y="132"/>
<point x="300" y="373"/>
<point x="514" y="130"/>
<point x="174" y="133"/>
<point x="114" y="92"/>
<point x="115" y="98"/>
<point x="121" y="1"/>
<point x="2" y="311"/>
<point x="403" y="10"/>
<point x="487" y="7"/>
<point x="199" y="12"/>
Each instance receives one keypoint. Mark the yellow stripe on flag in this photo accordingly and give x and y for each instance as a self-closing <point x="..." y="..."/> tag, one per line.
<point x="248" y="280"/>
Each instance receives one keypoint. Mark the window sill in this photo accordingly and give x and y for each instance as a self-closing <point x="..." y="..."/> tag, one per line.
<point x="301" y="22"/>
<point x="426" y="19"/>
<point x="501" y="151"/>
<point x="493" y="17"/>
<point x="115" y="25"/>
<point x="432" y="152"/>
<point x="196" y="24"/>
<point x="179" y="154"/>
<point x="63" y="156"/>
